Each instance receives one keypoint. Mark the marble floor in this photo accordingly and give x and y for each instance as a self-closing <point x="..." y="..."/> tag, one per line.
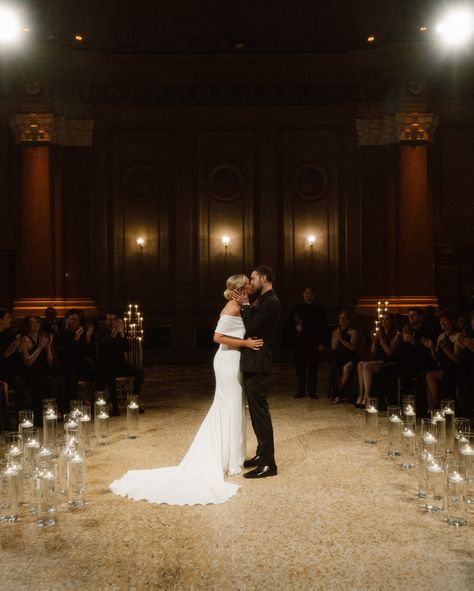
<point x="339" y="516"/>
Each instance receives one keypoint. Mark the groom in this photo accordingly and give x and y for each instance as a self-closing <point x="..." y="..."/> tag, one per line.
<point x="261" y="321"/>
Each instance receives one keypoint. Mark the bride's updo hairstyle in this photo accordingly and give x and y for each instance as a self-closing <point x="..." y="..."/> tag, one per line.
<point x="234" y="282"/>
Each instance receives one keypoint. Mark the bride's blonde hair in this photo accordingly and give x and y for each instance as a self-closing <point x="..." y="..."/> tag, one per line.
<point x="234" y="282"/>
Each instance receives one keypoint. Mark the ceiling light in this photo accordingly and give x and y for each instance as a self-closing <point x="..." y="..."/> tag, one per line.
<point x="10" y="27"/>
<point x="457" y="27"/>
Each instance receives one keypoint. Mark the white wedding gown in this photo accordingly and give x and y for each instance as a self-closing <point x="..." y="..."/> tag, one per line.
<point x="219" y="445"/>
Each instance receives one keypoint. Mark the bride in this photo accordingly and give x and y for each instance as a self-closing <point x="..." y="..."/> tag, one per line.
<point x="219" y="445"/>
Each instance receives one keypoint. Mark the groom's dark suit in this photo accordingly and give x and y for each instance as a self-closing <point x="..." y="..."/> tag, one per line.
<point x="260" y="321"/>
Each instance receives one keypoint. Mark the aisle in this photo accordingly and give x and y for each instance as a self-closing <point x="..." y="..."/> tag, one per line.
<point x="338" y="516"/>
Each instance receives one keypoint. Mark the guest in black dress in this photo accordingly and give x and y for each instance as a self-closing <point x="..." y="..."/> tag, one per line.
<point x="344" y="344"/>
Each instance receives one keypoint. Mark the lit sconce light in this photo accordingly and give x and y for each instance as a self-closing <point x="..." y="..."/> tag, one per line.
<point x="141" y="244"/>
<point x="311" y="241"/>
<point x="423" y="29"/>
<point x="226" y="242"/>
<point x="79" y="38"/>
<point x="371" y="39"/>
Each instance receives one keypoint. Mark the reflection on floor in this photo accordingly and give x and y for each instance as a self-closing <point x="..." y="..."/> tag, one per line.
<point x="340" y="514"/>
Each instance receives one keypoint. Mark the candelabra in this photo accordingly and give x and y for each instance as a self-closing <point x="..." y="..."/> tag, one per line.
<point x="133" y="322"/>
<point x="381" y="310"/>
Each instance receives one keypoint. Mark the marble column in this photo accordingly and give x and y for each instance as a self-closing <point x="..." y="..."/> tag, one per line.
<point x="409" y="266"/>
<point x="40" y="270"/>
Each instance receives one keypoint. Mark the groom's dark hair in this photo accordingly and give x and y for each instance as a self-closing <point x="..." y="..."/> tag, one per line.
<point x="267" y="271"/>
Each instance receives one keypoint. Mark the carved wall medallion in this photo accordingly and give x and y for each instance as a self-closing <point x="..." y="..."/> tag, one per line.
<point x="140" y="183"/>
<point x="310" y="182"/>
<point x="225" y="183"/>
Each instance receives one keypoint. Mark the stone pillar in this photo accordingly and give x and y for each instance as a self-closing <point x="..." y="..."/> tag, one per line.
<point x="410" y="263"/>
<point x="40" y="272"/>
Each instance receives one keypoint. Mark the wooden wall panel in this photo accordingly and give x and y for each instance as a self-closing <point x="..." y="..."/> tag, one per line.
<point x="226" y="201"/>
<point x="142" y="193"/>
<point x="308" y="187"/>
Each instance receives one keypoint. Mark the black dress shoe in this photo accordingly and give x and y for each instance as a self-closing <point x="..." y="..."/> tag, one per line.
<point x="252" y="462"/>
<point x="262" y="472"/>
<point x="315" y="396"/>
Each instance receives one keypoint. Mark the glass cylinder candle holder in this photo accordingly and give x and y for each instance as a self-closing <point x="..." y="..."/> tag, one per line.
<point x="85" y="422"/>
<point x="394" y="417"/>
<point x="13" y="446"/>
<point x="435" y="483"/>
<point x="447" y="408"/>
<point x="9" y="490"/>
<point x="409" y="408"/>
<point x="45" y="494"/>
<point x="371" y="421"/>
<point x="45" y="452"/>
<point x="466" y="457"/>
<point x="66" y="450"/>
<point x="423" y="458"/>
<point x="75" y="408"/>
<point x="50" y="424"/>
<point x="100" y="400"/>
<point x="408" y="457"/>
<point x="428" y="435"/>
<point x="438" y="417"/>
<point x="101" y="423"/>
<point x="25" y="420"/>
<point x="462" y="426"/>
<point x="31" y="445"/>
<point x="132" y="416"/>
<point x="76" y="472"/>
<point x="456" y="507"/>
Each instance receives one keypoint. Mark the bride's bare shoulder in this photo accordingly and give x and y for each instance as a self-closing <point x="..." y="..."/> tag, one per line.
<point x="232" y="308"/>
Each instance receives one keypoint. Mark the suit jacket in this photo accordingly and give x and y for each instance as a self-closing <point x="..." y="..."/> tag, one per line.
<point x="260" y="321"/>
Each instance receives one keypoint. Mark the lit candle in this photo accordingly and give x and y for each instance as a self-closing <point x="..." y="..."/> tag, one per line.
<point x="133" y="405"/>
<point x="467" y="450"/>
<point x="395" y="419"/>
<point x="408" y="433"/>
<point x="429" y="438"/>
<point x="26" y="424"/>
<point x="456" y="478"/>
<point x="14" y="451"/>
<point x="371" y="409"/>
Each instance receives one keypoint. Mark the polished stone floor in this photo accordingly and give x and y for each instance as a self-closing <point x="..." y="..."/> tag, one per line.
<point x="339" y="516"/>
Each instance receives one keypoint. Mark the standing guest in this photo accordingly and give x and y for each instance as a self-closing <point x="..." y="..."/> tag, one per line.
<point x="310" y="333"/>
<point x="11" y="371"/>
<point x="444" y="377"/>
<point x="261" y="322"/>
<point x="344" y="344"/>
<point x="111" y="348"/>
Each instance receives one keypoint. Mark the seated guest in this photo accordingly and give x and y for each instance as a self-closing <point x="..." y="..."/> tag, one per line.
<point x="41" y="377"/>
<point x="75" y="350"/>
<point x="445" y="358"/>
<point x="111" y="348"/>
<point x="344" y="344"/>
<point x="384" y="348"/>
<point x="464" y="349"/>
<point x="414" y="356"/>
<point x="51" y="323"/>
<point x="11" y="371"/>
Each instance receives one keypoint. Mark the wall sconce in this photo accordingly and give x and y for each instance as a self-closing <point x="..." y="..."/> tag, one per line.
<point x="226" y="242"/>
<point x="311" y="241"/>
<point x="141" y="244"/>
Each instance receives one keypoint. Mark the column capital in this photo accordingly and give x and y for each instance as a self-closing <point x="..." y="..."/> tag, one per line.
<point x="45" y="128"/>
<point x="398" y="128"/>
<point x="416" y="127"/>
<point x="32" y="128"/>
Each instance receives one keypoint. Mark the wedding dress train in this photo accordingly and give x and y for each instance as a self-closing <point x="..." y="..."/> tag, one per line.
<point x="219" y="445"/>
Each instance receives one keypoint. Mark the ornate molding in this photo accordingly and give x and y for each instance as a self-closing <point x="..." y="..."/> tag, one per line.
<point x="392" y="129"/>
<point x="310" y="182"/>
<point x="416" y="127"/>
<point x="32" y="128"/>
<point x="73" y="132"/>
<point x="225" y="182"/>
<point x="45" y="128"/>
